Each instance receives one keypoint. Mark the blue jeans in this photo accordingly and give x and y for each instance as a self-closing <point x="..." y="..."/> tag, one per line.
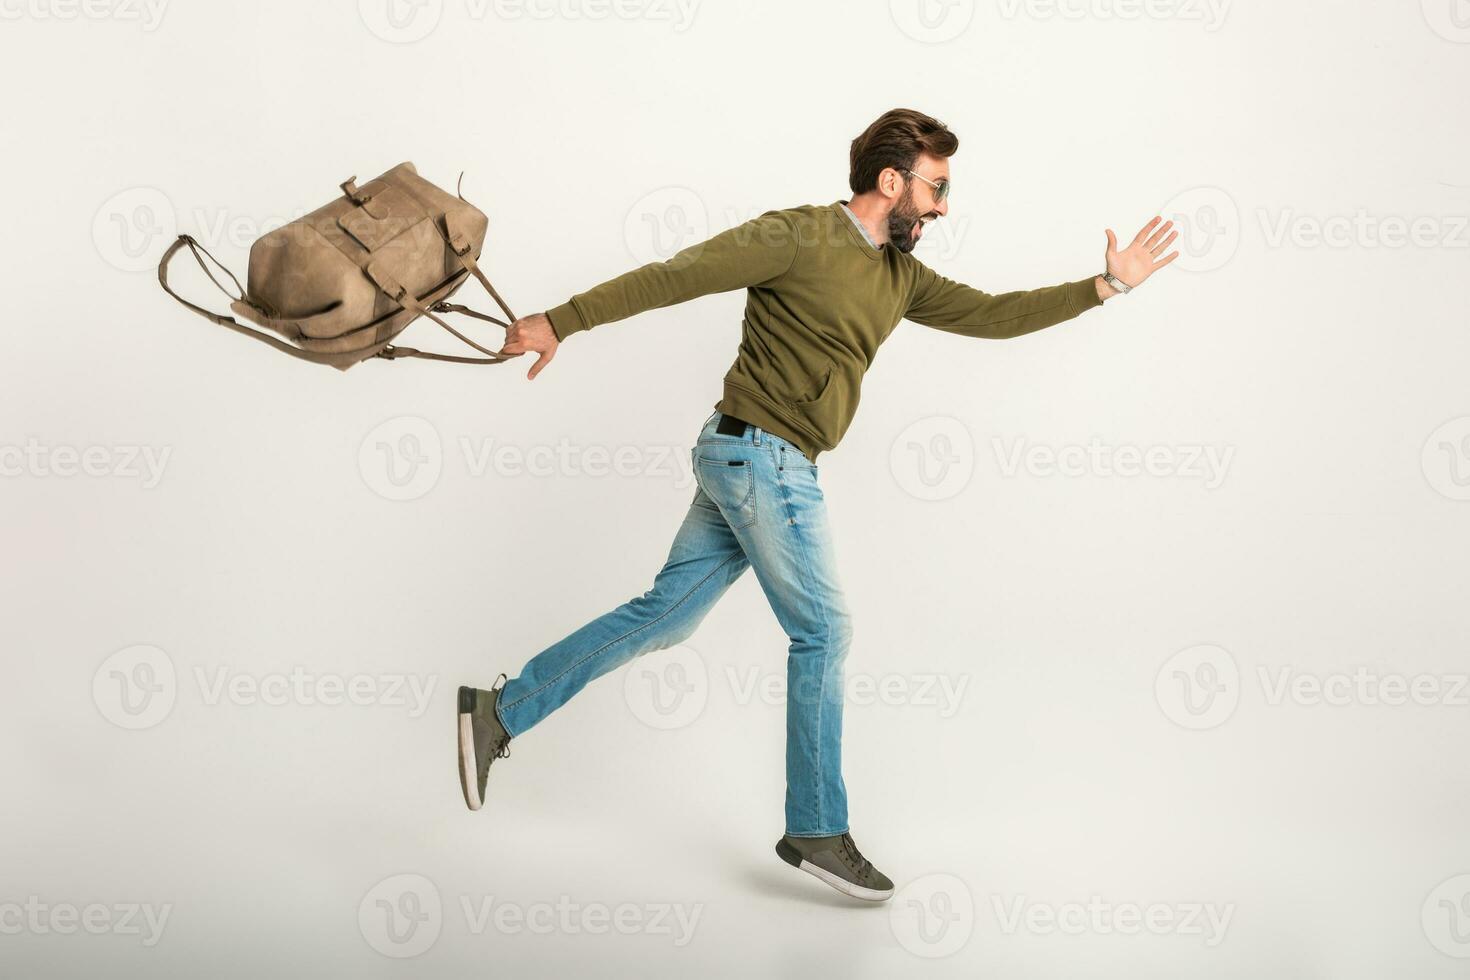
<point x="757" y="505"/>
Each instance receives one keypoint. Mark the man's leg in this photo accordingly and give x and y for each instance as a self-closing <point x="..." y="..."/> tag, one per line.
<point x="768" y="493"/>
<point x="703" y="562"/>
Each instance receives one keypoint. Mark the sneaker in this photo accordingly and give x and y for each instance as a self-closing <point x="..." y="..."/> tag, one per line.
<point x="838" y="862"/>
<point x="482" y="740"/>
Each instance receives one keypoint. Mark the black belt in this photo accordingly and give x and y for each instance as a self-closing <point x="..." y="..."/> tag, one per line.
<point x="731" y="426"/>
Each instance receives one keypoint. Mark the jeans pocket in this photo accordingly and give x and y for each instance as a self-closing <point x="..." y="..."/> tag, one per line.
<point x="729" y="481"/>
<point x="792" y="458"/>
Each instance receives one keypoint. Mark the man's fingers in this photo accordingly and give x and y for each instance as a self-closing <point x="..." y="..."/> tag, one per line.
<point x="1112" y="240"/>
<point x="1154" y="238"/>
<point x="513" y="347"/>
<point x="1165" y="243"/>
<point x="1143" y="232"/>
<point x="541" y="362"/>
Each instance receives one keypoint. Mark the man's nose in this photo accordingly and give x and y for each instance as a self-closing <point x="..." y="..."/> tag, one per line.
<point x="941" y="208"/>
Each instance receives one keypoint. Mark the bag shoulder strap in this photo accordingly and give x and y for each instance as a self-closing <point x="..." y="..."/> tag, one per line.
<point x="389" y="352"/>
<point x="199" y="253"/>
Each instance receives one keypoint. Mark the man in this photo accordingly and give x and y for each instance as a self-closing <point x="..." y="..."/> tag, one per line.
<point x="825" y="287"/>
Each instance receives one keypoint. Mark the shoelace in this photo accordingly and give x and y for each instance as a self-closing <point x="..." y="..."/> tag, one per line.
<point x="854" y="857"/>
<point x="502" y="750"/>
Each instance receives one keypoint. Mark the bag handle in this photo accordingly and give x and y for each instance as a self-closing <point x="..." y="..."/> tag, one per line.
<point x="392" y="353"/>
<point x="405" y="298"/>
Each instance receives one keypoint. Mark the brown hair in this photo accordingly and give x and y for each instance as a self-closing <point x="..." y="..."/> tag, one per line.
<point x="895" y="139"/>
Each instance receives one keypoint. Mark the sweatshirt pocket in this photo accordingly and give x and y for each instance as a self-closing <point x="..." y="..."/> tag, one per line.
<point x="828" y="405"/>
<point x="817" y="390"/>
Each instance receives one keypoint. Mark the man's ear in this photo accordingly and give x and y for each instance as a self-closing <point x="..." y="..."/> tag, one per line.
<point x="890" y="182"/>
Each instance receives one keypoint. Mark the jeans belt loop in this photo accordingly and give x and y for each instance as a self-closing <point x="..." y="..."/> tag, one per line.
<point x="757" y="430"/>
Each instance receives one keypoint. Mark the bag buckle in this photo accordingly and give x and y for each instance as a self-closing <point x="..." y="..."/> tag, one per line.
<point x="349" y="189"/>
<point x="390" y="286"/>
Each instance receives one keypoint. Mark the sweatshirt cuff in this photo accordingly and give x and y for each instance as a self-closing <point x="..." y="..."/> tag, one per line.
<point x="1082" y="295"/>
<point x="565" y="320"/>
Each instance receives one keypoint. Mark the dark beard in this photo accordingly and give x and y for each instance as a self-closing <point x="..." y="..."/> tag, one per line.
<point x="901" y="220"/>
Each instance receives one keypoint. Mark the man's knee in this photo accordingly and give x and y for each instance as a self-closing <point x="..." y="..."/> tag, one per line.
<point x="817" y="656"/>
<point x="831" y="635"/>
<point x="680" y="628"/>
<point x="840" y="632"/>
<point x="671" y="618"/>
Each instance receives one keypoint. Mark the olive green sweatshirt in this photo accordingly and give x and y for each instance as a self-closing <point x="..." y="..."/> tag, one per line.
<point x="820" y="300"/>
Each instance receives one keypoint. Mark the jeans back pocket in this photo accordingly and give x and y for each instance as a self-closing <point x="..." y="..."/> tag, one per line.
<point x="728" y="479"/>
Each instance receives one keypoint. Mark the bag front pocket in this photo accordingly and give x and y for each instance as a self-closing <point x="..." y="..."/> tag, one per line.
<point x="381" y="218"/>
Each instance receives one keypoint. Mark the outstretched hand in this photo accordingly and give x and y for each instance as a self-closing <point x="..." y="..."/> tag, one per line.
<point x="1140" y="259"/>
<point x="532" y="333"/>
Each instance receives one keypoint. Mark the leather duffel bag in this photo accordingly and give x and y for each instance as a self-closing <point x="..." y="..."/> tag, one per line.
<point x="339" y="284"/>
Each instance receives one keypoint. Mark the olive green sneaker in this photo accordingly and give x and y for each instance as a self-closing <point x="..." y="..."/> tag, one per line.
<point x="482" y="740"/>
<point x="838" y="862"/>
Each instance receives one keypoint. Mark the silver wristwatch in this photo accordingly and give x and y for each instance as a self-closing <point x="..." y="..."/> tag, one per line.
<point x="1115" y="282"/>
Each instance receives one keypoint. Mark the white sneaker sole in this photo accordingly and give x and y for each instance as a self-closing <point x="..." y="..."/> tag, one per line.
<point x="845" y="886"/>
<point x="467" y="767"/>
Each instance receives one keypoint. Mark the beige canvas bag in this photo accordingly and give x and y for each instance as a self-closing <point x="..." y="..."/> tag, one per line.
<point x="337" y="285"/>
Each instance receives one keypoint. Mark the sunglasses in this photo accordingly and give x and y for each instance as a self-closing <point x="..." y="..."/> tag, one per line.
<point x="941" y="186"/>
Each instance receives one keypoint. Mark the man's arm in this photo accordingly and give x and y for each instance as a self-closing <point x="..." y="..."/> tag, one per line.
<point x="749" y="254"/>
<point x="957" y="308"/>
<point x="946" y="305"/>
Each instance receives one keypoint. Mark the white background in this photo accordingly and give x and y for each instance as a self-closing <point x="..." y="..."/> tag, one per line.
<point x="1068" y="604"/>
